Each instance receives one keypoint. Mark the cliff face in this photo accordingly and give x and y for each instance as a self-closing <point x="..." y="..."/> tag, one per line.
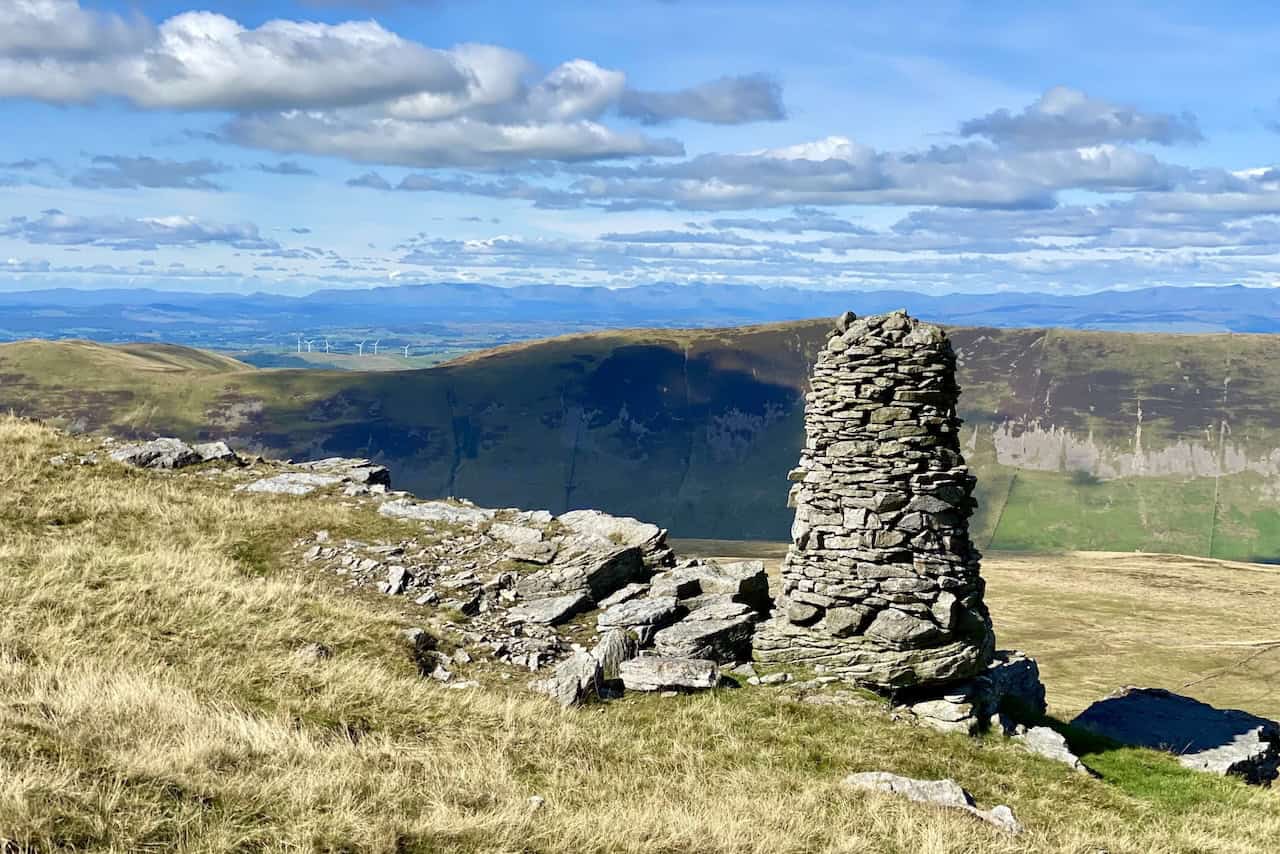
<point x="1079" y="439"/>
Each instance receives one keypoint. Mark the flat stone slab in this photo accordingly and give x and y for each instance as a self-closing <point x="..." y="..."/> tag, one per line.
<point x="642" y="616"/>
<point x="719" y="640"/>
<point x="941" y="793"/>
<point x="1204" y="738"/>
<point x="662" y="673"/>
<point x="1051" y="744"/>
<point x="291" y="483"/>
<point x="351" y="469"/>
<point x="549" y="612"/>
<point x="602" y="571"/>
<point x="435" y="511"/>
<point x="620" y="530"/>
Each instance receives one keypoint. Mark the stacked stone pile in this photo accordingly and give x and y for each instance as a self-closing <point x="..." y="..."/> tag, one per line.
<point x="881" y="584"/>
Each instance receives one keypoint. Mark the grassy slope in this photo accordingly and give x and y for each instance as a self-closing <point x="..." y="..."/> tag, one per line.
<point x="150" y="699"/>
<point x="696" y="429"/>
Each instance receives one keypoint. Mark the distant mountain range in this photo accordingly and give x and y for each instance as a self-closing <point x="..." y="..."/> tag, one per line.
<point x="445" y="311"/>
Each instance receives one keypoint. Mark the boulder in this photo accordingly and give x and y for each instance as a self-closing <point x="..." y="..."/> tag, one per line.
<point x="623" y="531"/>
<point x="743" y="581"/>
<point x="436" y="511"/>
<point x="1050" y="744"/>
<point x="600" y="572"/>
<point x="641" y="617"/>
<point x="351" y="470"/>
<point x="540" y="553"/>
<point x="165" y="453"/>
<point x="714" y="632"/>
<point x="660" y="673"/>
<point x="551" y="611"/>
<point x="574" y="681"/>
<point x="215" y="452"/>
<point x="1204" y="738"/>
<point x="291" y="483"/>
<point x="516" y="535"/>
<point x="630" y="591"/>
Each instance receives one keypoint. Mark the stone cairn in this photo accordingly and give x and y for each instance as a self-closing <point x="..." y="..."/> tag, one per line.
<point x="881" y="584"/>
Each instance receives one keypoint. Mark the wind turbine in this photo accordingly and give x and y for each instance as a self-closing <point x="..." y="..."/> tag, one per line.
<point x="309" y="343"/>
<point x="326" y="345"/>
<point x="406" y="351"/>
<point x="300" y="344"/>
<point x="375" y="346"/>
<point x="362" y="346"/>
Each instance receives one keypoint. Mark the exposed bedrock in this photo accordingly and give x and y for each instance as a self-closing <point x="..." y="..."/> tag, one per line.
<point x="881" y="584"/>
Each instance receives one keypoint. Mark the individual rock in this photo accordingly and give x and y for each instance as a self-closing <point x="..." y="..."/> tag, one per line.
<point x="215" y="452"/>
<point x="947" y="714"/>
<point x="551" y="611"/>
<point x="743" y="581"/>
<point x="624" y="594"/>
<point x="774" y="679"/>
<point x="614" y="647"/>
<point x="436" y="511"/>
<point x="680" y="583"/>
<point x="621" y="530"/>
<point x="720" y="608"/>
<point x="398" y="578"/>
<point x="574" y="681"/>
<point x="516" y="535"/>
<point x="1204" y="738"/>
<point x="943" y="793"/>
<point x="291" y="483"/>
<point x="165" y="453"/>
<point x="1050" y="744"/>
<point x="1011" y="683"/>
<point x="661" y="673"/>
<point x="721" y="640"/>
<point x="351" y="470"/>
<point x="601" y="573"/>
<point x="642" y="617"/>
<point x="540" y="553"/>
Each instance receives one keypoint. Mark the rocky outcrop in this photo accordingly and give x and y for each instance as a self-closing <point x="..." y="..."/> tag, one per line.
<point x="171" y="453"/>
<point x="1204" y="738"/>
<point x="664" y="673"/>
<point x="1010" y="683"/>
<point x="881" y="584"/>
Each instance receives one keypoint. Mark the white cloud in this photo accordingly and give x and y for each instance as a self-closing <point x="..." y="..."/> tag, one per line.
<point x="1065" y="118"/>
<point x="144" y="233"/>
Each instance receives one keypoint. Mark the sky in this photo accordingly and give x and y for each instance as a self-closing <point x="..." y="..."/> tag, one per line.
<point x="936" y="146"/>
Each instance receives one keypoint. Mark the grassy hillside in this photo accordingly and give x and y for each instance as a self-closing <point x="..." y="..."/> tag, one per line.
<point x="1161" y="443"/>
<point x="152" y="698"/>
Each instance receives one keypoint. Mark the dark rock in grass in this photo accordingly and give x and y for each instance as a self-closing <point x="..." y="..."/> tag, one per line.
<point x="661" y="673"/>
<point x="1204" y="738"/>
<point x="167" y="453"/>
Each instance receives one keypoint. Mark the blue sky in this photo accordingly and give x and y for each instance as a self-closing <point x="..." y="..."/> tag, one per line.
<point x="940" y="147"/>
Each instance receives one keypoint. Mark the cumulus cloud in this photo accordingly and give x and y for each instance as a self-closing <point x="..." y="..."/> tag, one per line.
<point x="1065" y="118"/>
<point x="207" y="61"/>
<point x="727" y="101"/>
<point x="116" y="172"/>
<point x="284" y="167"/>
<point x="146" y="233"/>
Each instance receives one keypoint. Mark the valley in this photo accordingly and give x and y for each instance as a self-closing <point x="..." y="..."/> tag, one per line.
<point x="1081" y="440"/>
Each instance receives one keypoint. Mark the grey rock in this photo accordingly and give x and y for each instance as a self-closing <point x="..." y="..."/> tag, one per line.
<point x="291" y="483"/>
<point x="540" y="553"/>
<point x="661" y="673"/>
<point x="601" y="572"/>
<point x="435" y="511"/>
<point x="719" y="608"/>
<point x="398" y="578"/>
<point x="847" y="620"/>
<point x="630" y="591"/>
<point x="516" y="535"/>
<point x="215" y="452"/>
<point x="551" y="611"/>
<point x="1204" y="738"/>
<point x="901" y="629"/>
<point x="642" y="617"/>
<point x="1050" y="744"/>
<point x="574" y="681"/>
<point x="165" y="453"/>
<point x="313" y="652"/>
<point x="719" y="640"/>
<point x="802" y="613"/>
<point x="614" y="647"/>
<point x="680" y="583"/>
<point x="943" y="793"/>
<point x="351" y="470"/>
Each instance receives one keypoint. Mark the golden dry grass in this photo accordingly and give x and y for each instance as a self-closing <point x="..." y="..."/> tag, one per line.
<point x="151" y="700"/>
